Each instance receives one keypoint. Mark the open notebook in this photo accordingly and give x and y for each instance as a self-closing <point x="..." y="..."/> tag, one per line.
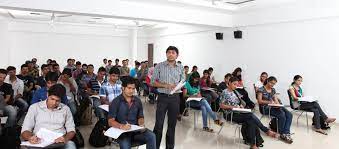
<point x="242" y="110"/>
<point x="276" y="105"/>
<point x="193" y="99"/>
<point x="47" y="138"/>
<point x="307" y="99"/>
<point x="116" y="132"/>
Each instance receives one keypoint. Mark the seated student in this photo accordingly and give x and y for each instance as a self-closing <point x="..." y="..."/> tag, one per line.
<point x="110" y="89"/>
<point x="223" y="85"/>
<point x="206" y="82"/>
<point x="126" y="110"/>
<point x="28" y="82"/>
<point x="186" y="69"/>
<point x="241" y="89"/>
<point x="71" y="88"/>
<point x="89" y="75"/>
<point x="41" y="94"/>
<point x="93" y="90"/>
<point x="267" y="95"/>
<point x="32" y="71"/>
<point x="18" y="91"/>
<point x="52" y="115"/>
<point x="230" y="100"/>
<point x="210" y="70"/>
<point x="5" y="100"/>
<point x="297" y="92"/>
<point x="70" y="64"/>
<point x="260" y="83"/>
<point x="193" y="90"/>
<point x="41" y="82"/>
<point x="56" y="68"/>
<point x="124" y="69"/>
<point x="77" y="71"/>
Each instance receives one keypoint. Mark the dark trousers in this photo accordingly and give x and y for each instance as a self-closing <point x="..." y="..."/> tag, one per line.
<point x="182" y="103"/>
<point x="169" y="104"/>
<point x="316" y="109"/>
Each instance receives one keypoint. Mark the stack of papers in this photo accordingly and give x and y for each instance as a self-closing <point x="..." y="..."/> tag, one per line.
<point x="104" y="107"/>
<point x="307" y="99"/>
<point x="242" y="110"/>
<point x="193" y="99"/>
<point x="178" y="87"/>
<point x="116" y="132"/>
<point x="47" y="138"/>
<point x="276" y="105"/>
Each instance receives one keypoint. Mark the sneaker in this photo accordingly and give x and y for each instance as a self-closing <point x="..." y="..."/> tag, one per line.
<point x="286" y="138"/>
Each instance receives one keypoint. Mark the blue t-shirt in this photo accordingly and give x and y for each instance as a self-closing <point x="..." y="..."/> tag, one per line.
<point x="41" y="95"/>
<point x="133" y="73"/>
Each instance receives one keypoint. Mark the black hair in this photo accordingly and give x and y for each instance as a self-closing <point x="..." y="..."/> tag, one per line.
<point x="210" y="69"/>
<point x="114" y="70"/>
<point x="235" y="72"/>
<point x="109" y="60"/>
<point x="208" y="78"/>
<point x="127" y="80"/>
<point x="172" y="48"/>
<point x="52" y="76"/>
<point x="23" y="65"/>
<point x="90" y="65"/>
<point x="54" y="65"/>
<point x="192" y="77"/>
<point x="43" y="66"/>
<point x="137" y="63"/>
<point x="57" y="90"/>
<point x="67" y="71"/>
<point x="78" y="63"/>
<point x="10" y="68"/>
<point x="28" y="61"/>
<point x="263" y="73"/>
<point x="194" y="67"/>
<point x="69" y="59"/>
<point x="179" y="62"/>
<point x="84" y="65"/>
<point x="117" y="60"/>
<point x="101" y="69"/>
<point x="269" y="79"/>
<point x="3" y="71"/>
<point x="105" y="59"/>
<point x="228" y="75"/>
<point x="186" y="66"/>
<point x="295" y="78"/>
<point x="233" y="79"/>
<point x="155" y="64"/>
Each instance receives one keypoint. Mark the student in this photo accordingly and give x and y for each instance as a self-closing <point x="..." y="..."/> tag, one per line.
<point x="52" y="115"/>
<point x="77" y="71"/>
<point x="41" y="82"/>
<point x="142" y="73"/>
<point x="41" y="94"/>
<point x="296" y="92"/>
<point x="18" y="91"/>
<point x="241" y="89"/>
<point x="267" y="95"/>
<point x="237" y="73"/>
<point x="126" y="110"/>
<point x="70" y="65"/>
<point x="56" y="68"/>
<point x="32" y="71"/>
<point x="71" y="88"/>
<point x="206" y="82"/>
<point x="186" y="69"/>
<point x="193" y="90"/>
<point x="210" y="70"/>
<point x="110" y="89"/>
<point x="5" y="100"/>
<point x="260" y="82"/>
<point x="117" y="63"/>
<point x="89" y="75"/>
<point x="28" y="82"/>
<point x="223" y="85"/>
<point x="104" y="63"/>
<point x="124" y="69"/>
<point x="166" y="76"/>
<point x="93" y="90"/>
<point x="34" y="61"/>
<point x="109" y="66"/>
<point x="230" y="100"/>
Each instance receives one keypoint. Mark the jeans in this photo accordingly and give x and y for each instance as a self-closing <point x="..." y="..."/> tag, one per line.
<point x="284" y="118"/>
<point x="316" y="109"/>
<point x="166" y="104"/>
<point x="23" y="107"/>
<point x="73" y="107"/>
<point x="100" y="113"/>
<point x="11" y="113"/>
<point x="147" y="137"/>
<point x="205" y="109"/>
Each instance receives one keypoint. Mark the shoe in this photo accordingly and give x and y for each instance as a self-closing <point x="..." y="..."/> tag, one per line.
<point x="218" y="122"/>
<point x="286" y="138"/>
<point x="207" y="129"/>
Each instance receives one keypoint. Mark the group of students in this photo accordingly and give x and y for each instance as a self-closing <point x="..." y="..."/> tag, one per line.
<point x="50" y="100"/>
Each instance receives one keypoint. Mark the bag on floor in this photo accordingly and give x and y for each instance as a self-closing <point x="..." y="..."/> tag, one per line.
<point x="97" y="137"/>
<point x="273" y="124"/>
<point x="78" y="139"/>
<point x="86" y="116"/>
<point x="10" y="138"/>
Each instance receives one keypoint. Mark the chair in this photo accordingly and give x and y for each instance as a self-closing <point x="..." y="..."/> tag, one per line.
<point x="262" y="112"/>
<point x="297" y="109"/>
<point x="194" y="110"/>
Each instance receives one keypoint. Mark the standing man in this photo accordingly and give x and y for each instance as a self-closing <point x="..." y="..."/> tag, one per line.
<point x="166" y="76"/>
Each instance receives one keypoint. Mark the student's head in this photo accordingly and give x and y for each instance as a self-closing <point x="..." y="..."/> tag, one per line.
<point x="128" y="86"/>
<point x="34" y="60"/>
<point x="84" y="67"/>
<point x="105" y="61"/>
<point x="109" y="62"/>
<point x="194" y="79"/>
<point x="186" y="69"/>
<point x="172" y="53"/>
<point x="237" y="72"/>
<point x="117" y="61"/>
<point x="56" y="68"/>
<point x="90" y="68"/>
<point x="127" y="61"/>
<point x="114" y="74"/>
<point x="143" y="64"/>
<point x="270" y="82"/>
<point x="155" y="64"/>
<point x="11" y="71"/>
<point x="24" y="69"/>
<point x="179" y="62"/>
<point x="233" y="83"/>
<point x="44" y="69"/>
<point x="3" y="74"/>
<point x="210" y="70"/>
<point x="55" y="93"/>
<point x="263" y="76"/>
<point x="51" y="79"/>
<point x="124" y="63"/>
<point x="29" y="64"/>
<point x="66" y="73"/>
<point x="137" y="64"/>
<point x="78" y="65"/>
<point x="73" y="61"/>
<point x="297" y="80"/>
<point x="101" y="72"/>
<point x="69" y="61"/>
<point x="48" y="61"/>
<point x="194" y="68"/>
<point x="227" y="77"/>
<point x="206" y="74"/>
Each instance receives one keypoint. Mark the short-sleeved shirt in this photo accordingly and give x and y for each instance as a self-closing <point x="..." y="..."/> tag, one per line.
<point x="122" y="113"/>
<point x="124" y="71"/>
<point x="133" y="73"/>
<point x="17" y="86"/>
<point x="266" y="95"/>
<point x="41" y="81"/>
<point x="59" y="120"/>
<point x="110" y="91"/>
<point x="26" y="79"/>
<point x="5" y="89"/>
<point x="165" y="73"/>
<point x="95" y="85"/>
<point x="87" y="78"/>
<point x="229" y="98"/>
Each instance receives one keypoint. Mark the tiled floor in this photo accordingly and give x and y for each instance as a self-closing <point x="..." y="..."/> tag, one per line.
<point x="187" y="137"/>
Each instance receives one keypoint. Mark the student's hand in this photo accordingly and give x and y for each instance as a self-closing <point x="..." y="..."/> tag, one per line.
<point x="170" y="86"/>
<point x="241" y="106"/>
<point x="34" y="140"/>
<point x="126" y="127"/>
<point x="60" y="140"/>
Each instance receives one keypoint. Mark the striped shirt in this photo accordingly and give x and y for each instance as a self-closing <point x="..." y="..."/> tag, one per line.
<point x="95" y="85"/>
<point x="165" y="73"/>
<point x="110" y="91"/>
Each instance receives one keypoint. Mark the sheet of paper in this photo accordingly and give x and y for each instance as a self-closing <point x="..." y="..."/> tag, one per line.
<point x="115" y="132"/>
<point x="276" y="105"/>
<point x="95" y="96"/>
<point x="47" y="138"/>
<point x="193" y="99"/>
<point x="307" y="99"/>
<point x="178" y="87"/>
<point x="242" y="110"/>
<point x="208" y="89"/>
<point x="42" y="144"/>
<point x="104" y="107"/>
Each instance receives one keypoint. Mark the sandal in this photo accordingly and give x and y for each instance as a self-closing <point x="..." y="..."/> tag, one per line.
<point x="218" y="122"/>
<point x="321" y="131"/>
<point x="207" y="129"/>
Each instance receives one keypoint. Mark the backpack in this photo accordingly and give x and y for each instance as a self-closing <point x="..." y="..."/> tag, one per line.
<point x="10" y="138"/>
<point x="86" y="116"/>
<point x="273" y="124"/>
<point x="78" y="139"/>
<point x="97" y="137"/>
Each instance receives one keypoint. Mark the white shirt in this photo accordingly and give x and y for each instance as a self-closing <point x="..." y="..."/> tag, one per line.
<point x="258" y="84"/>
<point x="17" y="86"/>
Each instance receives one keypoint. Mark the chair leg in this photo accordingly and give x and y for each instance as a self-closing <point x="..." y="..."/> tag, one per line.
<point x="306" y="121"/>
<point x="239" y="131"/>
<point x="277" y="121"/>
<point x="194" y="113"/>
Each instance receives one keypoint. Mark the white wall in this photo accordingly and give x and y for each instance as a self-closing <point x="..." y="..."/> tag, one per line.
<point x="308" y="48"/>
<point x="4" y="48"/>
